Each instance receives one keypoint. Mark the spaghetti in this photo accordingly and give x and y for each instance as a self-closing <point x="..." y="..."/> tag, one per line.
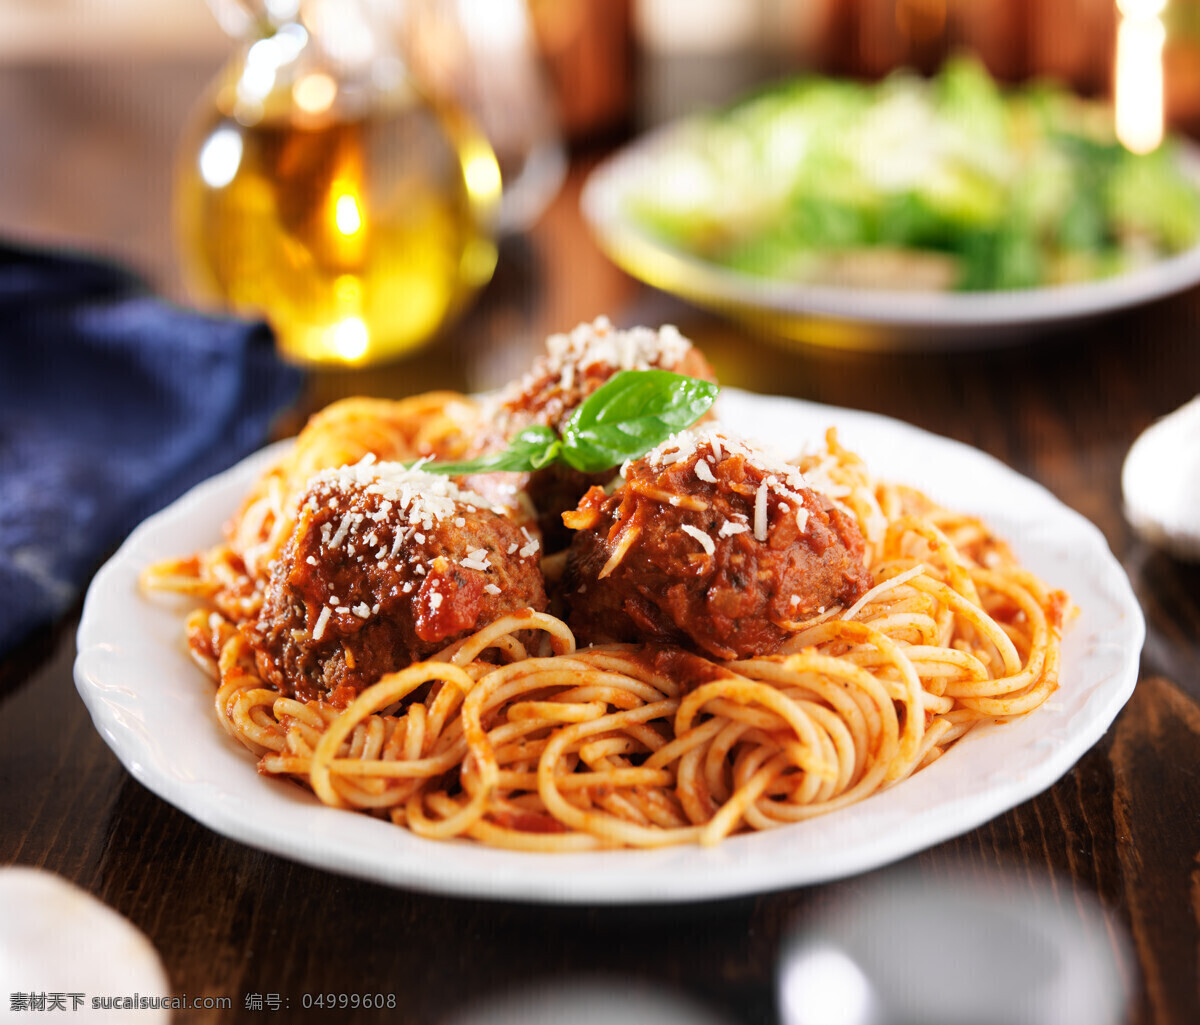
<point x="516" y="737"/>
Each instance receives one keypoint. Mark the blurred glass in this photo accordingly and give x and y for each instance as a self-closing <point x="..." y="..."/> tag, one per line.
<point x="952" y="949"/>
<point x="588" y="46"/>
<point x="483" y="56"/>
<point x="319" y="188"/>
<point x="586" y="1000"/>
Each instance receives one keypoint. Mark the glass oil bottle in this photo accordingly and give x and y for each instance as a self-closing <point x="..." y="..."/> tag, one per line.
<point x="318" y="188"/>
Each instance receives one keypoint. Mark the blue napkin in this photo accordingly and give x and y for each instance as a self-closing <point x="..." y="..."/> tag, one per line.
<point x="112" y="403"/>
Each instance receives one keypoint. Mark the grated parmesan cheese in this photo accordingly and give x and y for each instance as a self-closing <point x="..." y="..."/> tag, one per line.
<point x="760" y="513"/>
<point x="706" y="542"/>
<point x="781" y="482"/>
<point x="785" y="480"/>
<point x="424" y="497"/>
<point x="569" y="355"/>
<point x="478" y="559"/>
<point x="531" y="547"/>
<point x="882" y="588"/>
<point x="343" y="529"/>
<point x="600" y="344"/>
<point x="322" y="621"/>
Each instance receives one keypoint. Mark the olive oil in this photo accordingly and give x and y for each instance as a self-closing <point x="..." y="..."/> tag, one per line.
<point x="357" y="235"/>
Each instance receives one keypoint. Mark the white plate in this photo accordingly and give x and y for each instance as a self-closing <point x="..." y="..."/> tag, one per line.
<point x="849" y="317"/>
<point x="154" y="707"/>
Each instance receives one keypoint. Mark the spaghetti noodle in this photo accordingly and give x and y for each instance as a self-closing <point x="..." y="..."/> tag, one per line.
<point x="516" y="737"/>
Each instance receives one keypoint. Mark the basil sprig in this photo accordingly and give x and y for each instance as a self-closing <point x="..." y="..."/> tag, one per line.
<point x="624" y="418"/>
<point x="629" y="414"/>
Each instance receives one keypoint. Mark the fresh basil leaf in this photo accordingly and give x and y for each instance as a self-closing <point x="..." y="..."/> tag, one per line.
<point x="624" y="418"/>
<point x="531" y="449"/>
<point x="629" y="414"/>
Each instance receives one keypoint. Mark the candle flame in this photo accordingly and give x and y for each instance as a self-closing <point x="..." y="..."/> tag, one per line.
<point x="1139" y="74"/>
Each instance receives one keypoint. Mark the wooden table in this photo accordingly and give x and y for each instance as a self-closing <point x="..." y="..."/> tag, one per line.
<point x="87" y="156"/>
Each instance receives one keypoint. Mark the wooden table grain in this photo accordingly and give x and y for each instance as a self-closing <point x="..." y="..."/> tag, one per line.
<point x="87" y="161"/>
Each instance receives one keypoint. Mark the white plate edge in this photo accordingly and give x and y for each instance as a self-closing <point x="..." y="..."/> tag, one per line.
<point x="614" y="887"/>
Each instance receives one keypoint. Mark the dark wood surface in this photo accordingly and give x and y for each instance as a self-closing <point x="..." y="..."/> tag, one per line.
<point x="87" y="153"/>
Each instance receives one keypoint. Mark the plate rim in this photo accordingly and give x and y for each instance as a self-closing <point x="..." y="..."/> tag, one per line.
<point x="732" y="869"/>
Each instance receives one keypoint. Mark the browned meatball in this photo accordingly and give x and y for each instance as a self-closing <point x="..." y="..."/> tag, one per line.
<point x="573" y="367"/>
<point x="385" y="566"/>
<point x="576" y="364"/>
<point x="709" y="545"/>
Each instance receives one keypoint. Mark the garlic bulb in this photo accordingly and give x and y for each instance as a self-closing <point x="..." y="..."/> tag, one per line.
<point x="1161" y="482"/>
<point x="62" y="946"/>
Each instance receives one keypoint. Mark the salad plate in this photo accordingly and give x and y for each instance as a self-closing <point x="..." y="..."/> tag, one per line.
<point x="724" y="210"/>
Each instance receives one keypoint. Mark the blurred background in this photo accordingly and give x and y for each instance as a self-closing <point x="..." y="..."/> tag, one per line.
<point x="1073" y="40"/>
<point x="613" y="66"/>
<point x="108" y="106"/>
<point x="619" y="64"/>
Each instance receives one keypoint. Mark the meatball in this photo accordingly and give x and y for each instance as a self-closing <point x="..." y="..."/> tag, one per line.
<point x="578" y="363"/>
<point x="574" y="366"/>
<point x="385" y="566"/>
<point x="710" y="545"/>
